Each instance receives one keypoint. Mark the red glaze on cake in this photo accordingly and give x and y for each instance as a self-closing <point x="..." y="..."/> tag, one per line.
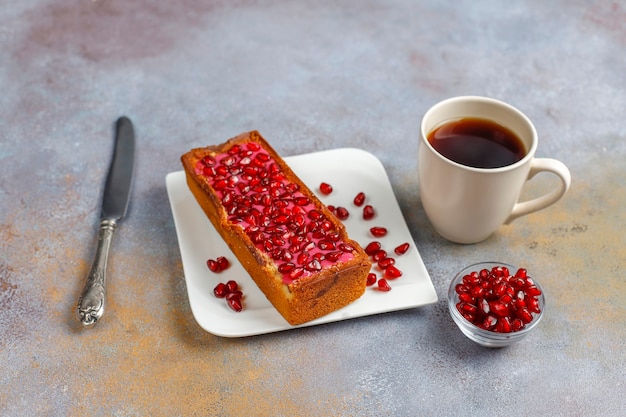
<point x="292" y="246"/>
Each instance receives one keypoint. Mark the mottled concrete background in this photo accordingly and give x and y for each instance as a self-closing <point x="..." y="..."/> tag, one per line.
<point x="309" y="76"/>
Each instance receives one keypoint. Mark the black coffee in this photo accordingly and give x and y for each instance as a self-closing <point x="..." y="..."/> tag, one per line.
<point x="477" y="143"/>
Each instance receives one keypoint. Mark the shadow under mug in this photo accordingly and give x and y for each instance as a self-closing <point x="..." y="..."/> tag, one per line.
<point x="466" y="204"/>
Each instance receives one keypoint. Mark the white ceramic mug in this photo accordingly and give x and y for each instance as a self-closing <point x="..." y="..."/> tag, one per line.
<point x="467" y="204"/>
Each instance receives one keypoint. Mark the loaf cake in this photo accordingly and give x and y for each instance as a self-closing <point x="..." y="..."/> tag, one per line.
<point x="294" y="248"/>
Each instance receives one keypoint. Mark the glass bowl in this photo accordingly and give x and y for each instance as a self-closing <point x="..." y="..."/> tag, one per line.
<point x="486" y="312"/>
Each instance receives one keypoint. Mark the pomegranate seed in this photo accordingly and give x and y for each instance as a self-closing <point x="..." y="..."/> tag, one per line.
<point x="378" y="231"/>
<point x="385" y="263"/>
<point x="371" y="279"/>
<point x="401" y="249"/>
<point x="533" y="291"/>
<point x="232" y="285"/>
<point x="326" y="188"/>
<point x="461" y="288"/>
<point x="296" y="273"/>
<point x="466" y="297"/>
<point x="303" y="258"/>
<point x="468" y="308"/>
<point x="314" y="265"/>
<point x="503" y="325"/>
<point x="315" y="215"/>
<point x="383" y="285"/>
<point x="524" y="315"/>
<point x="222" y="263"/>
<point x="379" y="255"/>
<point x="368" y="212"/>
<point x="359" y="199"/>
<point x="213" y="265"/>
<point x="234" y="294"/>
<point x="346" y="247"/>
<point x="342" y="213"/>
<point x="517" y="324"/>
<point x="372" y="248"/>
<point x="253" y="146"/>
<point x="208" y="160"/>
<point x="533" y="305"/>
<point x="392" y="272"/>
<point x="326" y="245"/>
<point x="497" y="301"/>
<point x="333" y="256"/>
<point x="489" y="322"/>
<point x="483" y="305"/>
<point x="220" y="290"/>
<point x="499" y="308"/>
<point x="235" y="304"/>
<point x="301" y="201"/>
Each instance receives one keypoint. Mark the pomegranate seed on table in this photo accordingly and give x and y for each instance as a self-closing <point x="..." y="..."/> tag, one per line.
<point x="359" y="199"/>
<point x="371" y="279"/>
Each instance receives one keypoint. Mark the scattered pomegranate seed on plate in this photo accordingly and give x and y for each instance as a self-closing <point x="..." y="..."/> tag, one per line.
<point x="368" y="212"/>
<point x="386" y="263"/>
<point x="231" y="292"/>
<point x="359" y="199"/>
<point x="383" y="285"/>
<point x="372" y="247"/>
<point x="391" y="272"/>
<point x="220" y="290"/>
<point x="378" y="231"/>
<point x="326" y="188"/>
<point x="401" y="249"/>
<point x="218" y="265"/>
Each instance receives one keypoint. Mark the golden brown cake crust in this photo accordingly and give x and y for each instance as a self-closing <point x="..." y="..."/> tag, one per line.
<point x="304" y="299"/>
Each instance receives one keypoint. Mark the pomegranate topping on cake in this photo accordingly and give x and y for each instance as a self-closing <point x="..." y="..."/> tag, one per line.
<point x="294" y="248"/>
<point x="277" y="217"/>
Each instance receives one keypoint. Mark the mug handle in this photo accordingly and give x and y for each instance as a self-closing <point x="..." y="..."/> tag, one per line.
<point x="536" y="204"/>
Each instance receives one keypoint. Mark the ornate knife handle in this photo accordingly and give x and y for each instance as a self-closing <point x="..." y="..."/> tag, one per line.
<point x="91" y="302"/>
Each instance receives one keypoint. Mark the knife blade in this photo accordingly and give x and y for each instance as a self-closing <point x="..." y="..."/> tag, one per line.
<point x="115" y="199"/>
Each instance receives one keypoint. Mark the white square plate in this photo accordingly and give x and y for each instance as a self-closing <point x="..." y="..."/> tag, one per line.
<point x="349" y="171"/>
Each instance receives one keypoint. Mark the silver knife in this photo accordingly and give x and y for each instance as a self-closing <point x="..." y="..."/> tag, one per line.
<point x="114" y="207"/>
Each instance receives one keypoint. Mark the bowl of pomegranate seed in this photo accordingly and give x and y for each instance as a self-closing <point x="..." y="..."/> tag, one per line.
<point x="495" y="304"/>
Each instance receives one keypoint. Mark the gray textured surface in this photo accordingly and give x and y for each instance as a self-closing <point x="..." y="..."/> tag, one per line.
<point x="309" y="76"/>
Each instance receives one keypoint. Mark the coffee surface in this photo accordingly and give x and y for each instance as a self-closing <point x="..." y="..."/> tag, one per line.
<point x="477" y="143"/>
